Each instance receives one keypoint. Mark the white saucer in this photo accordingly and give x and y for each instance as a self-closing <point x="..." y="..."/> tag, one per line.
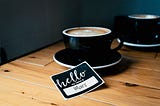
<point x="68" y="59"/>
<point x="140" y="45"/>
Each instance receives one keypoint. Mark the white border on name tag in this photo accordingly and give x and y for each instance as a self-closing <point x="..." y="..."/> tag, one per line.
<point x="88" y="81"/>
<point x="81" y="86"/>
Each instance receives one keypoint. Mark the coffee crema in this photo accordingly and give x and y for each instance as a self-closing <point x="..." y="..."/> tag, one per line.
<point x="143" y="16"/>
<point x="87" y="31"/>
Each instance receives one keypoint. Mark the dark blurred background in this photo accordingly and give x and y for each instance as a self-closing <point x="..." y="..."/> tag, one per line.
<point x="28" y="25"/>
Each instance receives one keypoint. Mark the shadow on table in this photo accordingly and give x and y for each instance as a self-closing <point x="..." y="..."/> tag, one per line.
<point x="116" y="69"/>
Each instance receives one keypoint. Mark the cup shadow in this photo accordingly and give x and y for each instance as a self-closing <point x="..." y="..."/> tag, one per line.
<point x="114" y="70"/>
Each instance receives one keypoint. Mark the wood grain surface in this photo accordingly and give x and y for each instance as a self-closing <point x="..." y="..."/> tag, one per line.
<point x="135" y="81"/>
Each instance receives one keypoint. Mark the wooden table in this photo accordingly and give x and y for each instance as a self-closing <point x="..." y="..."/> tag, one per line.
<point x="135" y="81"/>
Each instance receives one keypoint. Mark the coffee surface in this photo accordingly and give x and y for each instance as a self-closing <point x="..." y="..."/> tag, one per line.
<point x="143" y="16"/>
<point x="87" y="31"/>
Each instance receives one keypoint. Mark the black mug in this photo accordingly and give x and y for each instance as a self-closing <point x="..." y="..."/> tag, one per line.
<point x="90" y="42"/>
<point x="140" y="29"/>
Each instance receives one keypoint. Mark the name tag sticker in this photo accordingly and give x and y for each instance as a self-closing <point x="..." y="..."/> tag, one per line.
<point x="77" y="81"/>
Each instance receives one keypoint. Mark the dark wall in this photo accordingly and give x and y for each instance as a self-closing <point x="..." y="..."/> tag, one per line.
<point x="28" y="25"/>
<point x="102" y="12"/>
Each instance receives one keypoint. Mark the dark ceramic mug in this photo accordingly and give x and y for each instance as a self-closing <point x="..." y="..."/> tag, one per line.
<point x="90" y="42"/>
<point x="139" y="28"/>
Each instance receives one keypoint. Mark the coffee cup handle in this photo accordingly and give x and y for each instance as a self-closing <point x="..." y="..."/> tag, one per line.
<point x="158" y="23"/>
<point x="158" y="27"/>
<point x="120" y="43"/>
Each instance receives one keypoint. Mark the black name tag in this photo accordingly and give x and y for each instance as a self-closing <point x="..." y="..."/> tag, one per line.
<point x="77" y="81"/>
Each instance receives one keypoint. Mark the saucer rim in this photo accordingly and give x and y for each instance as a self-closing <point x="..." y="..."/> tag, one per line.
<point x="95" y="67"/>
<point x="140" y="45"/>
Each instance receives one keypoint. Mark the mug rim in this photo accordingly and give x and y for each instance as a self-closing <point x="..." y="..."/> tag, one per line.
<point x="145" y="16"/>
<point x="108" y="31"/>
